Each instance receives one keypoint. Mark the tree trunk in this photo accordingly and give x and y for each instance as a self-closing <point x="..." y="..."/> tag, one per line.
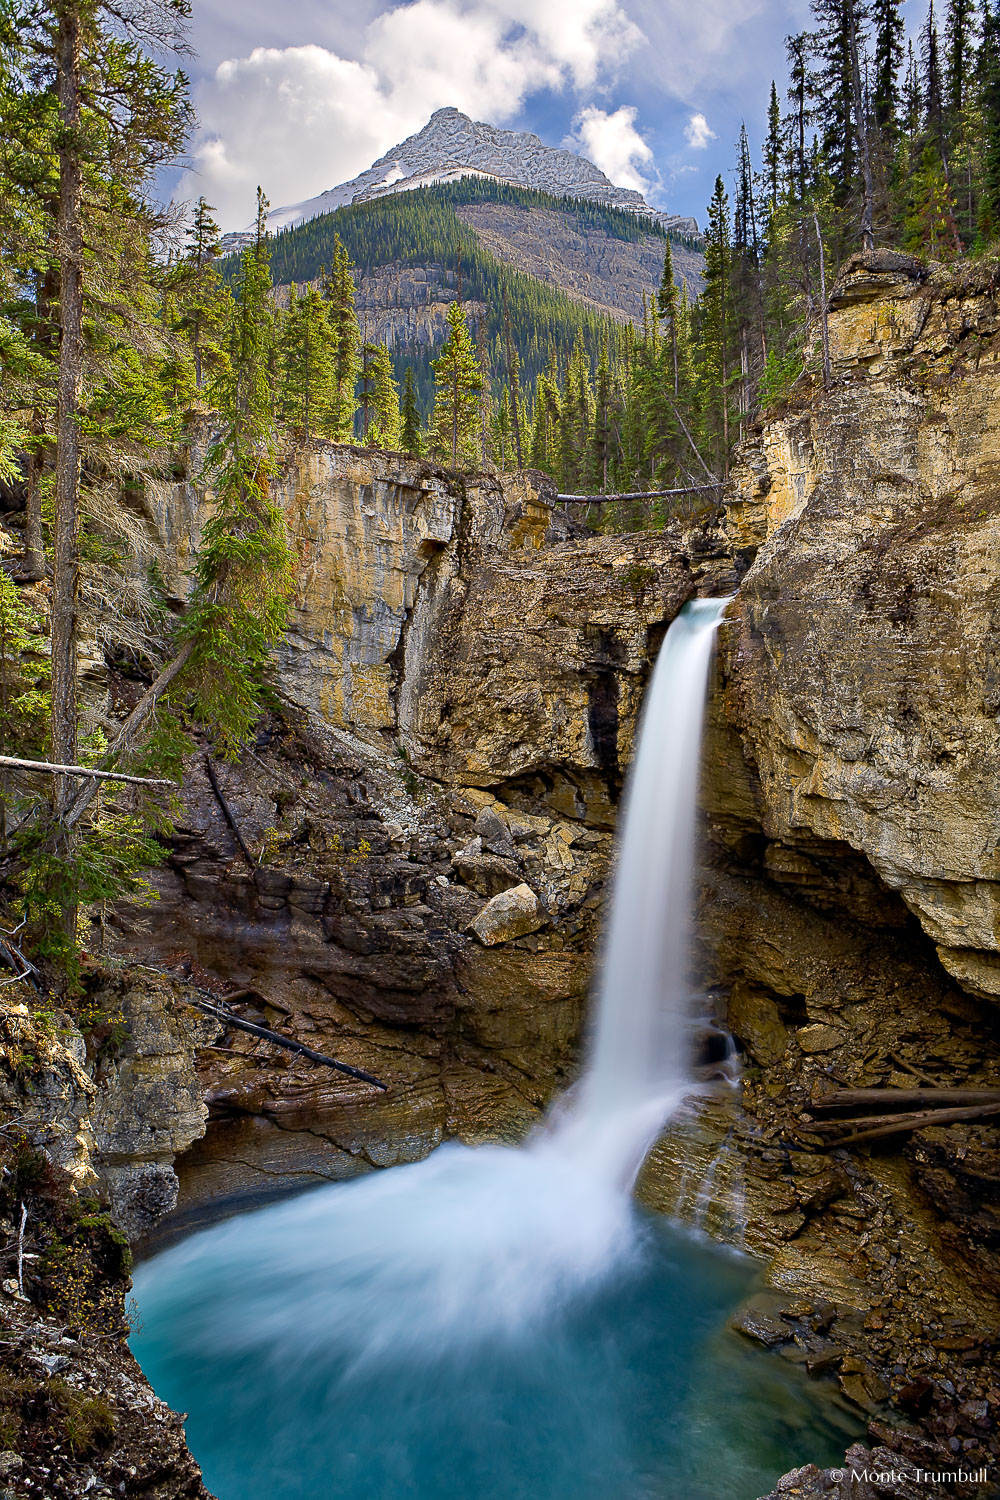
<point x="65" y="581"/>
<point x="861" y="129"/>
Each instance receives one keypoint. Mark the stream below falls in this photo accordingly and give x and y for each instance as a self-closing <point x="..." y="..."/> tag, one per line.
<point x="489" y="1324"/>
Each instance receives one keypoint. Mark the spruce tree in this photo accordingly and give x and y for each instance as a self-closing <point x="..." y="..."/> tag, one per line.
<point x="666" y="304"/>
<point x="716" y="327"/>
<point x="411" y="437"/>
<point x="243" y="570"/>
<point x="203" y="304"/>
<point x="890" y="34"/>
<point x="774" y="151"/>
<point x="306" y="356"/>
<point x="457" y="381"/>
<point x="340" y="294"/>
<point x="988" y="77"/>
<point x="384" y="428"/>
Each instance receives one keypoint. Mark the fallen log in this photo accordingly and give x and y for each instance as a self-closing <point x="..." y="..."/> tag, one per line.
<point x="900" y="1123"/>
<point x="53" y="770"/>
<point x="265" y="1034"/>
<point x="688" y="489"/>
<point x="929" y="1097"/>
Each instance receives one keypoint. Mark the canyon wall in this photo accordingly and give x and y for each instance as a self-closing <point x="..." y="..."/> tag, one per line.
<point x="428" y="811"/>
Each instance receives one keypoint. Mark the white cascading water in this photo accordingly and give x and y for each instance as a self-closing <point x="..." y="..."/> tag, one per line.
<point x="473" y="1242"/>
<point x="639" y="1064"/>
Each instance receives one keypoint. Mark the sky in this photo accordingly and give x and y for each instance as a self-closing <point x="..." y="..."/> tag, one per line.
<point x="306" y="94"/>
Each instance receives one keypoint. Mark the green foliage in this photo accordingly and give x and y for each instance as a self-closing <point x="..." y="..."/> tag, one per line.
<point x="458" y="381"/>
<point x="107" y="862"/>
<point x="411" y="437"/>
<point x="423" y="227"/>
<point x="779" y="375"/>
<point x="243" y="571"/>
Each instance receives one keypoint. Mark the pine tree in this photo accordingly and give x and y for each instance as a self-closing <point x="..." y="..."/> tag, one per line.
<point x="384" y="430"/>
<point x="932" y="85"/>
<point x="774" y="151"/>
<point x="411" y="438"/>
<point x="340" y="294"/>
<point x="988" y="77"/>
<point x="960" y="33"/>
<point x="930" y="227"/>
<point x="243" y="570"/>
<point x="201" y="297"/>
<point x="306" y="388"/>
<point x="716" y="330"/>
<point x="890" y="32"/>
<point x="601" y="438"/>
<point x="457" y="382"/>
<point x="667" y="299"/>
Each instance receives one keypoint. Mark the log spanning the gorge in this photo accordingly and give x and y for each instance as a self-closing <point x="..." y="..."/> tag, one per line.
<point x="690" y="489"/>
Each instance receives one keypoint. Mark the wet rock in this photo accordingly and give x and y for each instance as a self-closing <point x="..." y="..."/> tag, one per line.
<point x="512" y="914"/>
<point x="756" y="1020"/>
<point x="760" y="1319"/>
<point x="818" y="1038"/>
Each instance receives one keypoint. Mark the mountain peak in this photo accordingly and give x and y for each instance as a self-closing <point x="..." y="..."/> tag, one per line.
<point x="452" y="145"/>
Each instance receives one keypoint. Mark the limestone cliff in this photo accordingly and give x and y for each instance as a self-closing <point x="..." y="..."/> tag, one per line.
<point x="457" y="700"/>
<point x="850" y="909"/>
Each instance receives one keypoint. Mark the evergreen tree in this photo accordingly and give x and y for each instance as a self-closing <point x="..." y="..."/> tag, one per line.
<point x="411" y="438"/>
<point x="243" y="570"/>
<point x="774" y="151"/>
<point x="932" y="85"/>
<point x="960" y="34"/>
<point x="306" y="388"/>
<point x="457" y="380"/>
<point x="340" y="294"/>
<point x="384" y="430"/>
<point x="202" y="299"/>
<point x="716" y="327"/>
<point x="890" y="32"/>
<point x="601" y="441"/>
<point x="667" y="300"/>
<point x="930" y="227"/>
<point x="988" y="73"/>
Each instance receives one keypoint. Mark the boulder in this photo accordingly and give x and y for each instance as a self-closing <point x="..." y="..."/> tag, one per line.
<point x="511" y="914"/>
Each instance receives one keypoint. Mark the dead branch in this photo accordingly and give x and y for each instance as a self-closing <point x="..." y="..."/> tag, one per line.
<point x="908" y="1067"/>
<point x="54" y="770"/>
<point x="20" y="1250"/>
<point x="932" y="1098"/>
<point x="227" y="813"/>
<point x="135" y="720"/>
<point x="220" y="1013"/>
<point x="900" y="1123"/>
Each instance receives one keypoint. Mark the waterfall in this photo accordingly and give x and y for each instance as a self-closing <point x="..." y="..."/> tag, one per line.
<point x="501" y="1320"/>
<point x="477" y="1246"/>
<point x="638" y="1064"/>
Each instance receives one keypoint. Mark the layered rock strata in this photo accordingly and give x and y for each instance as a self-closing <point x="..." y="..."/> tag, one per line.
<point x="429" y="812"/>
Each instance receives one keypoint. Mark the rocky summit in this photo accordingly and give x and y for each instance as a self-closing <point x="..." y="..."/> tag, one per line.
<point x="451" y="146"/>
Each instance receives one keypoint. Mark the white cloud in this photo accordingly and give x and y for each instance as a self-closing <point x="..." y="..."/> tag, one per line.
<point x="301" y="119"/>
<point x="613" y="144"/>
<point x="698" y="132"/>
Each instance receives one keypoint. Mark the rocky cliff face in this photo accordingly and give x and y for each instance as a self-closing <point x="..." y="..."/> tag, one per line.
<point x="432" y="809"/>
<point x="851" y="887"/>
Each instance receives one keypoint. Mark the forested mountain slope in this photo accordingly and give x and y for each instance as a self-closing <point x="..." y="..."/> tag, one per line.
<point x="551" y="266"/>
